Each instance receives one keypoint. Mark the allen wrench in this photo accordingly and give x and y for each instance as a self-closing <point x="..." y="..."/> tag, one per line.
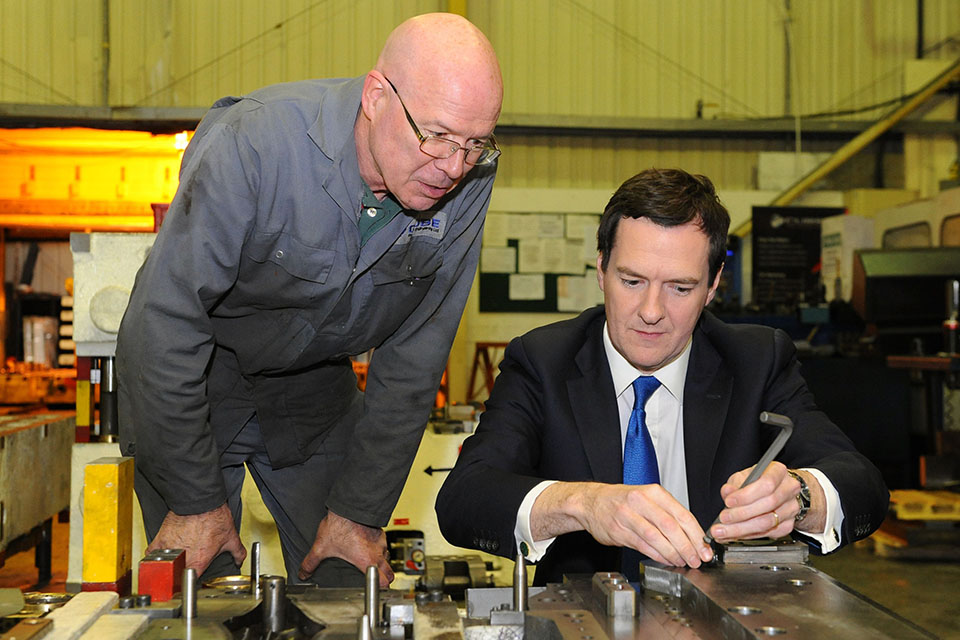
<point x="786" y="430"/>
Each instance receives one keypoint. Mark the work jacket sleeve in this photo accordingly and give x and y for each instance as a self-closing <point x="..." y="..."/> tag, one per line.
<point x="166" y="340"/>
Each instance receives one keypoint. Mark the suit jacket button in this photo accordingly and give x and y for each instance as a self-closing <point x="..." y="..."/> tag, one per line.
<point x="494" y="545"/>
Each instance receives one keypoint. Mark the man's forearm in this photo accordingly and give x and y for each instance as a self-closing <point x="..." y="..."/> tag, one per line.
<point x="556" y="510"/>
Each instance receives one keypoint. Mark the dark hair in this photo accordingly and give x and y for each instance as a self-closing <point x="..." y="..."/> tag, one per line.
<point x="669" y="198"/>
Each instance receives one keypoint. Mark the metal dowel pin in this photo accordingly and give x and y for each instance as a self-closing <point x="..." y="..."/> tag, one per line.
<point x="255" y="569"/>
<point x="189" y="594"/>
<point x="372" y="597"/>
<point x="520" y="583"/>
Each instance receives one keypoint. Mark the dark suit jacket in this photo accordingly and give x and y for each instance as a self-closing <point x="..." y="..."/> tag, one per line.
<point x="553" y="415"/>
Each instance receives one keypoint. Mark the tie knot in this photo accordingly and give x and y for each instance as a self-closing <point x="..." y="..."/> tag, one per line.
<point x="643" y="388"/>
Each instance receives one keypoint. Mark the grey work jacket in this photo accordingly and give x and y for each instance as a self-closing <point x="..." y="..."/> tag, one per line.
<point x="257" y="290"/>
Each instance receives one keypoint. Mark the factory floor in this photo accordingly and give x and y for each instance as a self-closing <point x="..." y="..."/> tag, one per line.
<point x="926" y="593"/>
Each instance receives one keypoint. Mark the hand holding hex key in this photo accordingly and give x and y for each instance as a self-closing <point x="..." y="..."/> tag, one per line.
<point x="786" y="429"/>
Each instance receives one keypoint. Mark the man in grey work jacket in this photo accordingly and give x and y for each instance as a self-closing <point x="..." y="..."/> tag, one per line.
<point x="314" y="221"/>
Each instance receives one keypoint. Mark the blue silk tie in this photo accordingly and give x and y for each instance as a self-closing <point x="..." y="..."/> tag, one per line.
<point x="639" y="461"/>
<point x="639" y="457"/>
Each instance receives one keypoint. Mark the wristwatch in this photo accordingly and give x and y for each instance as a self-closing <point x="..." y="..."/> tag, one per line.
<point x="803" y="498"/>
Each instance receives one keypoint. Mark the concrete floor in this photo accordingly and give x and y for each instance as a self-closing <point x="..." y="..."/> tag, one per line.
<point x="925" y="593"/>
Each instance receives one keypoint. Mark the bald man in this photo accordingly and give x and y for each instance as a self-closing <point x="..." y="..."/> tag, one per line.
<point x="314" y="221"/>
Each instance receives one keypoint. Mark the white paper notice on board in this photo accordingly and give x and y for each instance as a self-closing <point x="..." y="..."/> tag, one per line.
<point x="582" y="226"/>
<point x="549" y="225"/>
<point x="532" y="256"/>
<point x="571" y="293"/>
<point x="498" y="260"/>
<point x="527" y="286"/>
<point x="523" y="225"/>
<point x="495" y="230"/>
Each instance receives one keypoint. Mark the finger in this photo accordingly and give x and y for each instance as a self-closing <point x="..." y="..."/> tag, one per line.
<point x="386" y="573"/>
<point x="237" y="550"/>
<point x="309" y="564"/>
<point x="657" y="540"/>
<point x="681" y="530"/>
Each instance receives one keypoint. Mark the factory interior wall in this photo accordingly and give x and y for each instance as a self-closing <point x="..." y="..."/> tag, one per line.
<point x="646" y="59"/>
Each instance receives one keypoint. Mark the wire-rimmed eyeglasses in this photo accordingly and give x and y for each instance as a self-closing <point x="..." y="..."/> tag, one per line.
<point x="442" y="148"/>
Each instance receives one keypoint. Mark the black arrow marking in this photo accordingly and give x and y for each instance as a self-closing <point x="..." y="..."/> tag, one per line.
<point x="430" y="470"/>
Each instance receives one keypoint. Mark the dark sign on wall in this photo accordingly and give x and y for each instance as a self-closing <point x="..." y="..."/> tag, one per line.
<point x="786" y="254"/>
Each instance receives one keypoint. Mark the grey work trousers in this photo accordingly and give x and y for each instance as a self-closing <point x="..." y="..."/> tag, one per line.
<point x="295" y="496"/>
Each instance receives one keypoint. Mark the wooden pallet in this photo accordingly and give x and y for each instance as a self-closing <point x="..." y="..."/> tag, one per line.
<point x="909" y="504"/>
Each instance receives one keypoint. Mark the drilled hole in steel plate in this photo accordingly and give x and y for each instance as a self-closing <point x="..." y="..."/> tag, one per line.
<point x="681" y="621"/>
<point x="770" y="631"/>
<point x="661" y="598"/>
<point x="563" y="592"/>
<point x="743" y="610"/>
<point x="774" y="567"/>
<point x="797" y="582"/>
<point x="673" y="611"/>
<point x="546" y="599"/>
<point x="574" y="615"/>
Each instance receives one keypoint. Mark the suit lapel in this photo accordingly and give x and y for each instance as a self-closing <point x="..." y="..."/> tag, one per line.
<point x="594" y="408"/>
<point x="706" y="399"/>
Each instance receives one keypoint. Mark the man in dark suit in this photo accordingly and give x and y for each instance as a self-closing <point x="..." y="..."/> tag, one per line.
<point x="546" y="470"/>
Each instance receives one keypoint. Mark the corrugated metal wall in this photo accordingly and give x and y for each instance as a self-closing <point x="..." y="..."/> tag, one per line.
<point x="613" y="58"/>
<point x="189" y="53"/>
<point x="637" y="58"/>
<point x="50" y="51"/>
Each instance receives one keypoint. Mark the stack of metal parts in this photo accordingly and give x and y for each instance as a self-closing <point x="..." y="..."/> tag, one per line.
<point x="757" y="591"/>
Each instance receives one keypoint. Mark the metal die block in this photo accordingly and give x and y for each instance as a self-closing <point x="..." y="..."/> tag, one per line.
<point x="783" y="551"/>
<point x="160" y="573"/>
<point x="615" y="593"/>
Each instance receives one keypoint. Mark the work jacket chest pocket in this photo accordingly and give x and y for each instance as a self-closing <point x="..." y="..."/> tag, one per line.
<point x="414" y="263"/>
<point x="284" y="268"/>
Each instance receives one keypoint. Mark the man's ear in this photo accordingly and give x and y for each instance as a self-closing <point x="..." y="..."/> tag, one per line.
<point x="600" y="271"/>
<point x="374" y="89"/>
<point x="713" y="288"/>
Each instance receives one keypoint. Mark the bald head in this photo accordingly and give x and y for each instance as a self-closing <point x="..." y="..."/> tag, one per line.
<point x="449" y="79"/>
<point x="447" y="52"/>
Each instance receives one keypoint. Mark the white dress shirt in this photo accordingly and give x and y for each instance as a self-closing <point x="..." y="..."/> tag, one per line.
<point x="664" y="419"/>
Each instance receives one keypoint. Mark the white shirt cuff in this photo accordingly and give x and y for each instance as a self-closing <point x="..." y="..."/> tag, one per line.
<point x="524" y="538"/>
<point x="829" y="539"/>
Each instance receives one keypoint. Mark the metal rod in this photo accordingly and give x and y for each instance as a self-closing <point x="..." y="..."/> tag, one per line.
<point x="273" y="603"/>
<point x="364" y="632"/>
<point x="520" y="584"/>
<point x="255" y="569"/>
<point x="189" y="594"/>
<point x="372" y="597"/>
<point x="786" y="429"/>
<point x="109" y="427"/>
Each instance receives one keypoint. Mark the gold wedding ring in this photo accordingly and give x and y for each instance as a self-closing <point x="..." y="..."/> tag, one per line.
<point x="777" y="518"/>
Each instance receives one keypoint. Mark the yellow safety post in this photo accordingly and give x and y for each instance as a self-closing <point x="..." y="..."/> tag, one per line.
<point x="108" y="525"/>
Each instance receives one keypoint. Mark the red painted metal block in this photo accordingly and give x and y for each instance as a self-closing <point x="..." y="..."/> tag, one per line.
<point x="161" y="573"/>
<point x="121" y="586"/>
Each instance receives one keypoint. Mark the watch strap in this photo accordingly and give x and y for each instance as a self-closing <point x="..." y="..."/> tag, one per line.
<point x="803" y="498"/>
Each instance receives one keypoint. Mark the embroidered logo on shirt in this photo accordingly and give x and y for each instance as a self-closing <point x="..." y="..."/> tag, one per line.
<point x="433" y="227"/>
